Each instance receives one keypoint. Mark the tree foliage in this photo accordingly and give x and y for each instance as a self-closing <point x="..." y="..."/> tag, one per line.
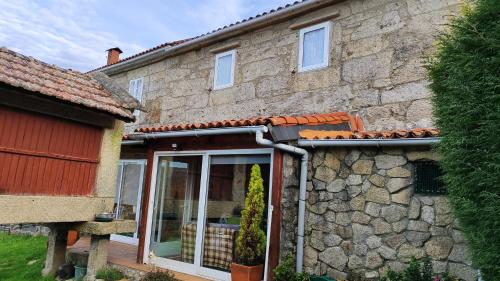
<point x="251" y="241"/>
<point x="465" y="81"/>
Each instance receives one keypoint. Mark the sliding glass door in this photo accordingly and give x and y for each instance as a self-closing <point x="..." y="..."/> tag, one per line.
<point x="196" y="203"/>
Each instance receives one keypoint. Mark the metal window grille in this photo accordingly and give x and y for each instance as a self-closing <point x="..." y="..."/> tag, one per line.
<point x="428" y="178"/>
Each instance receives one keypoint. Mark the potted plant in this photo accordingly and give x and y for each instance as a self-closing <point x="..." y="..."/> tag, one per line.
<point x="248" y="264"/>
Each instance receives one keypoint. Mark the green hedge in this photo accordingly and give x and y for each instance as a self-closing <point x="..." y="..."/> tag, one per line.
<point x="465" y="80"/>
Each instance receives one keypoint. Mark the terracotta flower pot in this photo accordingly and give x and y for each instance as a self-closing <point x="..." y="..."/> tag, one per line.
<point x="246" y="273"/>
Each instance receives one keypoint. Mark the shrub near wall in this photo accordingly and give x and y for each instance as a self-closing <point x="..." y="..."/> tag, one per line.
<point x="362" y="216"/>
<point x="465" y="76"/>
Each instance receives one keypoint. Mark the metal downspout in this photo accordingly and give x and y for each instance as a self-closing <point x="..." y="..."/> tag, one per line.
<point x="259" y="138"/>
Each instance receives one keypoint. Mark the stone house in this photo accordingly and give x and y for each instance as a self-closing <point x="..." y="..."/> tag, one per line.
<point x="351" y="179"/>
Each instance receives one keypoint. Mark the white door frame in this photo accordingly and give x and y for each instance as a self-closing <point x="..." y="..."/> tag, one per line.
<point x="121" y="238"/>
<point x="196" y="268"/>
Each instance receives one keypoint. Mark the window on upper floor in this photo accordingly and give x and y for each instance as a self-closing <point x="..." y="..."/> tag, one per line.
<point x="313" y="47"/>
<point x="224" y="69"/>
<point x="135" y="89"/>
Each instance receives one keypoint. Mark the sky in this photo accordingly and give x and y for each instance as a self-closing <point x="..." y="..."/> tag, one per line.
<point x="76" y="33"/>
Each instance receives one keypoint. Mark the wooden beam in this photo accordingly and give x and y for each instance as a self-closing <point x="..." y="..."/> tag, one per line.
<point x="30" y="101"/>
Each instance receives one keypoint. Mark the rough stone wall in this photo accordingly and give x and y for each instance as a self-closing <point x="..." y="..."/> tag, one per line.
<point x="362" y="215"/>
<point x="375" y="69"/>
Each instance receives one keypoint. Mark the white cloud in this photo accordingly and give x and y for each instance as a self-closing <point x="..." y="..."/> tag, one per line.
<point x="75" y="34"/>
<point x="58" y="32"/>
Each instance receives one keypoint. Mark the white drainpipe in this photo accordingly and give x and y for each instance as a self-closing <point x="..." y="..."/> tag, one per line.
<point x="259" y="138"/>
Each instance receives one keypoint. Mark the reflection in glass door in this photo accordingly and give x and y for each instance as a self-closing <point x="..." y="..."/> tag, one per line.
<point x="228" y="180"/>
<point x="175" y="212"/>
<point x="129" y="183"/>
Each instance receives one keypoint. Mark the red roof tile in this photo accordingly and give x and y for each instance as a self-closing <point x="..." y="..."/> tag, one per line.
<point x="395" y="134"/>
<point x="313" y="119"/>
<point x="95" y="91"/>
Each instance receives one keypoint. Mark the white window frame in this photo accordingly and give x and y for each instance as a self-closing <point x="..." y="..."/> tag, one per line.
<point x="131" y="88"/>
<point x="326" y="26"/>
<point x="233" y="61"/>
<point x="196" y="268"/>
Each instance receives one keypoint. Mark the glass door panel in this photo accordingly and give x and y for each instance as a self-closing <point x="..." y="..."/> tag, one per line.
<point x="175" y="211"/>
<point x="228" y="181"/>
<point x="128" y="195"/>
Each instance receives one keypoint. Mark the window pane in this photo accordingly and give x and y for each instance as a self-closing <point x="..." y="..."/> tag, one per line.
<point x="313" y="47"/>
<point x="229" y="177"/>
<point x="224" y="65"/>
<point x="175" y="213"/>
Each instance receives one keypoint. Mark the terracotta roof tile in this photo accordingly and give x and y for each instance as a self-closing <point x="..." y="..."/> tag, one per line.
<point x="395" y="134"/>
<point x="313" y="119"/>
<point x="95" y="91"/>
<point x="175" y="43"/>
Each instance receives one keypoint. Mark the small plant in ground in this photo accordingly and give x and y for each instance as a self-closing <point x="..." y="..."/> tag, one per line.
<point x="158" y="275"/>
<point x="109" y="274"/>
<point x="417" y="271"/>
<point x="251" y="241"/>
<point x="285" y="271"/>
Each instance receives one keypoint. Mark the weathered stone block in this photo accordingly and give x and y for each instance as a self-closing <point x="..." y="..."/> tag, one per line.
<point x="373" y="260"/>
<point x="380" y="226"/>
<point x="359" y="217"/>
<point x="385" y="161"/>
<point x="378" y="195"/>
<point x="387" y="253"/>
<point x="334" y="257"/>
<point x="393" y="213"/>
<point x="439" y="247"/>
<point x="373" y="209"/>
<point x="399" y="172"/>
<point x="396" y="184"/>
<point x="361" y="232"/>
<point x="374" y="242"/>
<point x="414" y="210"/>
<point x="325" y="174"/>
<point x="362" y="167"/>
<point x="416" y="225"/>
<point x="336" y="185"/>
<point x="402" y="197"/>
<point x="428" y="214"/>
<point x="367" y="68"/>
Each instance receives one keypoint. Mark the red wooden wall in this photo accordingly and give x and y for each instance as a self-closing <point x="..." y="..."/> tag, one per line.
<point x="45" y="155"/>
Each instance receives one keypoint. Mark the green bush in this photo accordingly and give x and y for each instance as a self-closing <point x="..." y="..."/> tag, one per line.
<point x="417" y="271"/>
<point x="251" y="240"/>
<point x="158" y="275"/>
<point x="465" y="81"/>
<point x="414" y="272"/>
<point x="109" y="274"/>
<point x="285" y="271"/>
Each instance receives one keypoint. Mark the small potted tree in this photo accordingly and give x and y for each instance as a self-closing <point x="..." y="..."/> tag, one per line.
<point x="248" y="264"/>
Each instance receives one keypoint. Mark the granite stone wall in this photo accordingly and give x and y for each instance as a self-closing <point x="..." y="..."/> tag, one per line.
<point x="375" y="69"/>
<point x="363" y="217"/>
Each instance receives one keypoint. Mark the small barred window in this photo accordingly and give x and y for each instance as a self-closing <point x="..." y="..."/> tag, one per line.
<point x="428" y="178"/>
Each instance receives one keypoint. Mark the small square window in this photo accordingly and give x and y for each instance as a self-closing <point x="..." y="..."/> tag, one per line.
<point x="313" y="47"/>
<point x="428" y="178"/>
<point x="135" y="89"/>
<point x="224" y="69"/>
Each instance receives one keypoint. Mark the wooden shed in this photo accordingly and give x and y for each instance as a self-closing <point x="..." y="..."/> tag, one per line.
<point x="60" y="134"/>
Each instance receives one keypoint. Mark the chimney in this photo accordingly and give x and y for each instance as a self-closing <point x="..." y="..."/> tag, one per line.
<point x="113" y="55"/>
